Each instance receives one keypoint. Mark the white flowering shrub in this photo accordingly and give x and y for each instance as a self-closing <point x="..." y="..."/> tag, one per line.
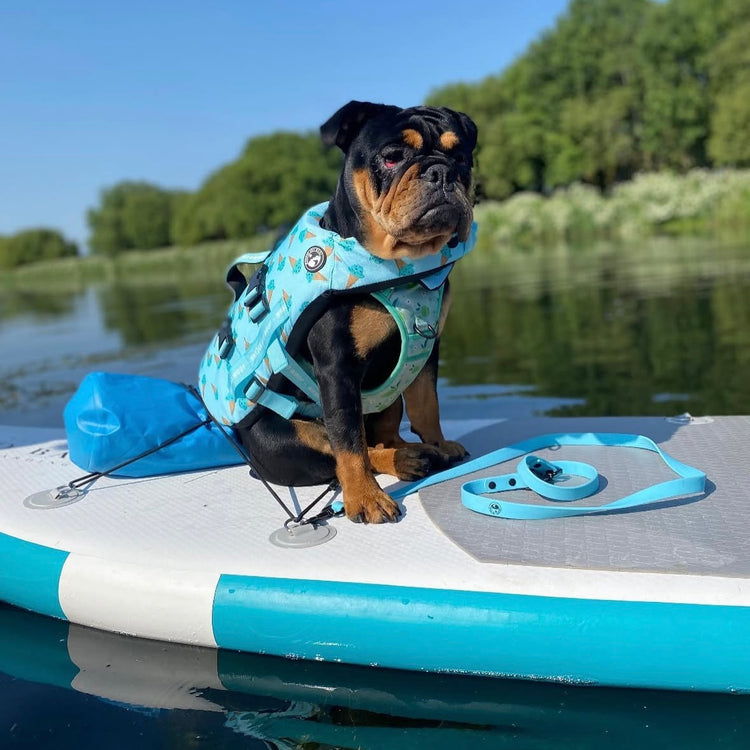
<point x="650" y="203"/>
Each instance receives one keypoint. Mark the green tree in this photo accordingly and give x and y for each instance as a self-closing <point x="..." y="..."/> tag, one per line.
<point x="32" y="245"/>
<point x="516" y="140"/>
<point x="613" y="88"/>
<point x="729" y="70"/>
<point x="730" y="140"/>
<point x="676" y="103"/>
<point x="274" y="180"/>
<point x="132" y="215"/>
<point x="599" y="142"/>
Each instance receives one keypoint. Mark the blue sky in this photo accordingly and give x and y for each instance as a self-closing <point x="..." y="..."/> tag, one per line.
<point x="92" y="93"/>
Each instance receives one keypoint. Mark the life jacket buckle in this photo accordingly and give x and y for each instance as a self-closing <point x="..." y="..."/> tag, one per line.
<point x="254" y="389"/>
<point x="254" y="296"/>
<point x="225" y="338"/>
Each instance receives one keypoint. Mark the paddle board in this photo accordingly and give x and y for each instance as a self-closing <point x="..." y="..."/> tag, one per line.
<point x="655" y="597"/>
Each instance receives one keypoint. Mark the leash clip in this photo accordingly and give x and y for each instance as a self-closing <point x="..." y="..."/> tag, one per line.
<point x="542" y="469"/>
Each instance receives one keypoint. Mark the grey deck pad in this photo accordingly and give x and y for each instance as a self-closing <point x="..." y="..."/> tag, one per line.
<point x="708" y="535"/>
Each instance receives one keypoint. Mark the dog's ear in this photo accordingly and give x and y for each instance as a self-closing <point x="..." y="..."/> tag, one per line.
<point x="469" y="127"/>
<point x="341" y="129"/>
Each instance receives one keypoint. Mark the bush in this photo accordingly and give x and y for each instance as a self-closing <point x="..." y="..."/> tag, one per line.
<point x="653" y="203"/>
<point x="32" y="245"/>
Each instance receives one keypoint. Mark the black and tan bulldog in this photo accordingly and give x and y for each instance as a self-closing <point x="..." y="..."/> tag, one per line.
<point x="405" y="192"/>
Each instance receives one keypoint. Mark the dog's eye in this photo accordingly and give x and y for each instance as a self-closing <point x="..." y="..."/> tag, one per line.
<point x="392" y="158"/>
<point x="459" y="157"/>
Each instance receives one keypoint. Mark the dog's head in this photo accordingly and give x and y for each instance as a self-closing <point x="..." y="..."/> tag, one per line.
<point x="406" y="188"/>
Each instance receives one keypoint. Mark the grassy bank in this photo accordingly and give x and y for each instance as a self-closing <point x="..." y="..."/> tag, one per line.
<point x="207" y="260"/>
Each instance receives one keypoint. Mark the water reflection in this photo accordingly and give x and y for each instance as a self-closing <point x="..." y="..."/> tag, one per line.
<point x="151" y="692"/>
<point x="160" y="314"/>
<point x="660" y="328"/>
<point x="36" y="303"/>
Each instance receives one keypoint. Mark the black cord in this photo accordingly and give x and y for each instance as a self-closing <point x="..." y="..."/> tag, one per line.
<point x="299" y="518"/>
<point x="88" y="479"/>
<point x="83" y="483"/>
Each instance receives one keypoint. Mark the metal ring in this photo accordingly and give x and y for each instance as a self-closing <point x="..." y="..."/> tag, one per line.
<point x="429" y="333"/>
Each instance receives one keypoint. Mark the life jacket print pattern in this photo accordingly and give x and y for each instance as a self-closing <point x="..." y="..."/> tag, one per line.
<point x="310" y="263"/>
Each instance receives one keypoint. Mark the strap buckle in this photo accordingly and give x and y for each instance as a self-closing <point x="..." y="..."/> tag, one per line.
<point x="254" y="389"/>
<point x="542" y="469"/>
<point x="254" y="296"/>
<point x="225" y="338"/>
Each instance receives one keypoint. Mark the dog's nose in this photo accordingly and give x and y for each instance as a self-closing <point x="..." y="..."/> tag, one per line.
<point x="440" y="174"/>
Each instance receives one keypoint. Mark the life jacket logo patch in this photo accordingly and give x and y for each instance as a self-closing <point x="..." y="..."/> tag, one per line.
<point x="315" y="258"/>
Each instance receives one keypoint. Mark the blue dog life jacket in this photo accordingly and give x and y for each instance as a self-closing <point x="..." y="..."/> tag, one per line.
<point x="274" y="310"/>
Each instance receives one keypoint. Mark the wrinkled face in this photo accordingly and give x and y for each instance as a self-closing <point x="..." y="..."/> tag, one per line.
<point x="408" y="175"/>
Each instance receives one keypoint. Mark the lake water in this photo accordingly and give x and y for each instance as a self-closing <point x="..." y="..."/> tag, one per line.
<point x="654" y="329"/>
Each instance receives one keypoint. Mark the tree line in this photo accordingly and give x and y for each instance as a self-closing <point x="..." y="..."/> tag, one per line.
<point x="613" y="89"/>
<point x="274" y="179"/>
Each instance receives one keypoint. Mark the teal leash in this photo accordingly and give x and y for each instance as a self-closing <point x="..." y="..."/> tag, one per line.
<point x="541" y="476"/>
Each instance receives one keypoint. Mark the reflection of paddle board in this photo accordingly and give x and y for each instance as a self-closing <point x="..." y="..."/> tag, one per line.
<point x="291" y="702"/>
<point x="658" y="597"/>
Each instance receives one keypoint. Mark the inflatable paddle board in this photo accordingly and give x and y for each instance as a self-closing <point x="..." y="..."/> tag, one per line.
<point x="654" y="597"/>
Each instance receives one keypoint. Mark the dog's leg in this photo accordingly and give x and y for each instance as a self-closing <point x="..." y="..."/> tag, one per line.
<point x="391" y="454"/>
<point x="424" y="412"/>
<point x="291" y="452"/>
<point x="382" y="428"/>
<point x="339" y="369"/>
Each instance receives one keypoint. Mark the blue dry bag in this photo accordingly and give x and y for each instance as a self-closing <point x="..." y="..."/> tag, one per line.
<point x="113" y="418"/>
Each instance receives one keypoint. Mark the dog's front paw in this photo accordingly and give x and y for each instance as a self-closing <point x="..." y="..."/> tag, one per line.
<point x="408" y="462"/>
<point x="452" y="450"/>
<point x="371" y="505"/>
<point x="416" y="461"/>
